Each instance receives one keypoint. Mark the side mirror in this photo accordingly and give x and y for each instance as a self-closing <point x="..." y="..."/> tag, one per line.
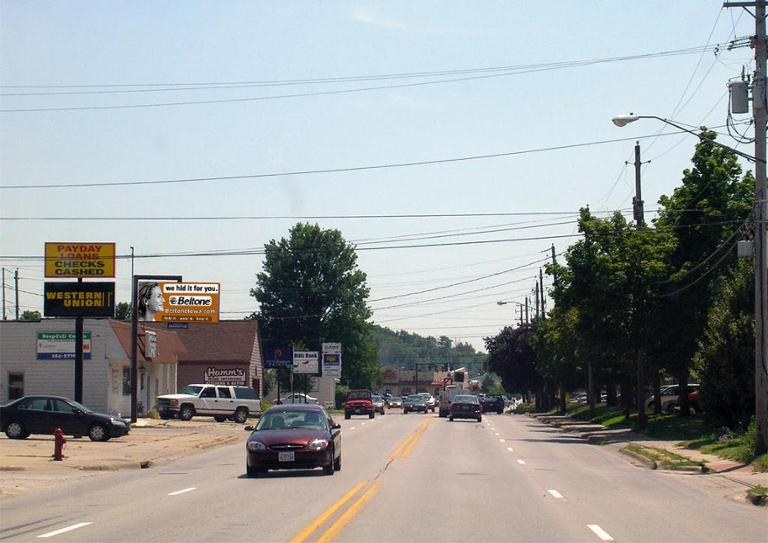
<point x="249" y="428"/>
<point x="336" y="426"/>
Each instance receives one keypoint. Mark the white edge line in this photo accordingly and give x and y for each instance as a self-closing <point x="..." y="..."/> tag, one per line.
<point x="555" y="493"/>
<point x="602" y="534"/>
<point x="190" y="489"/>
<point x="67" y="529"/>
<point x="510" y="449"/>
<point x="501" y="439"/>
<point x="520" y="461"/>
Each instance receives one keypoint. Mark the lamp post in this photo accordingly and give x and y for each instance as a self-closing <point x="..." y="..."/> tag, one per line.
<point x="760" y="250"/>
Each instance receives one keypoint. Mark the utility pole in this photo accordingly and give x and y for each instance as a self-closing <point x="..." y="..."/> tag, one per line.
<point x="639" y="214"/>
<point x="537" y="300"/>
<point x="760" y="251"/>
<point x="541" y="286"/>
<point x="16" y="286"/>
<point x="5" y="315"/>
<point x="526" y="311"/>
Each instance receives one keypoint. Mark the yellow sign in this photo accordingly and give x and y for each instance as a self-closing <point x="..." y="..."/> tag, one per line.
<point x="64" y="259"/>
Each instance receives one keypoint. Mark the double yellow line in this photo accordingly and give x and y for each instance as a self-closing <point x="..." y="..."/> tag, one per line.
<point x="402" y="451"/>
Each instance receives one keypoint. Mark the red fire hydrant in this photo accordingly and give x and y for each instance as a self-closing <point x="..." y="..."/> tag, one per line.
<point x="58" y="444"/>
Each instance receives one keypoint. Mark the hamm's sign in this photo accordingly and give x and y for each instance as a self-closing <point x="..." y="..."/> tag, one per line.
<point x="63" y="259"/>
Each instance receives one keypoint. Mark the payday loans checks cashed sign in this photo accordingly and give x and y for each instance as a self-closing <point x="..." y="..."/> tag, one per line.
<point x="81" y="259"/>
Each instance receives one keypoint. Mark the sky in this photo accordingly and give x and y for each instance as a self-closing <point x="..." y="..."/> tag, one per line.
<point x="452" y="142"/>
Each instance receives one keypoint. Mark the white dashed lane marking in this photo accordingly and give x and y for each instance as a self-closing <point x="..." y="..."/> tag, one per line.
<point x="602" y="534"/>
<point x="555" y="493"/>
<point x="510" y="449"/>
<point x="67" y="529"/>
<point x="521" y="461"/>
<point x="190" y="489"/>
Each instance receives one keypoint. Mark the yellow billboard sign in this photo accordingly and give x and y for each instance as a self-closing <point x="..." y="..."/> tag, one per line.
<point x="81" y="259"/>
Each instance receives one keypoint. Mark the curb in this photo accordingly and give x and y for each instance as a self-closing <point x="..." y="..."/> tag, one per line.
<point x="650" y="464"/>
<point x="13" y="468"/>
<point x="689" y="469"/>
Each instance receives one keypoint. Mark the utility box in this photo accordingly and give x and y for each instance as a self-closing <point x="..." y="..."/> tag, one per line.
<point x="739" y="96"/>
<point x="744" y="249"/>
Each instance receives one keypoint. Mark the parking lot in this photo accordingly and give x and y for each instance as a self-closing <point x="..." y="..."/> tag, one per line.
<point x="26" y="464"/>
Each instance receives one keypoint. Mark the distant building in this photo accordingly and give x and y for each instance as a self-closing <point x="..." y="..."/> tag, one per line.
<point x="401" y="382"/>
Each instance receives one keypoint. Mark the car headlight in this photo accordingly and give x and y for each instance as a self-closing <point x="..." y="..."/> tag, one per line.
<point x="254" y="446"/>
<point x="317" y="444"/>
<point x="174" y="403"/>
<point x="116" y="422"/>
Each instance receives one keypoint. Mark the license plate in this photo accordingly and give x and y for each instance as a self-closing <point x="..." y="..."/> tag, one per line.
<point x="286" y="456"/>
<point x="465" y="408"/>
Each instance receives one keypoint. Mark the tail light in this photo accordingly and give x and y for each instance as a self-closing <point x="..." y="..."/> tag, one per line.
<point x="454" y="407"/>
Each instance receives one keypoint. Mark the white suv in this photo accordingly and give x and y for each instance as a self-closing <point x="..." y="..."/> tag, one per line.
<point x="220" y="401"/>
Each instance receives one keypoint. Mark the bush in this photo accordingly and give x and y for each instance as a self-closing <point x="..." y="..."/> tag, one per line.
<point x="341" y="395"/>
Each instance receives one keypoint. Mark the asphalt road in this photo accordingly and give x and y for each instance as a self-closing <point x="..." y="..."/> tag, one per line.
<point x="404" y="478"/>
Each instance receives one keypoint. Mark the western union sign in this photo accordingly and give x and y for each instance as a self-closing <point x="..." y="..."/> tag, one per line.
<point x="65" y="259"/>
<point x="79" y="300"/>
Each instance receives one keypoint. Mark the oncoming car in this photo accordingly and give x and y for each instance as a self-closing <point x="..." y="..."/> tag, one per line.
<point x="414" y="402"/>
<point x="294" y="436"/>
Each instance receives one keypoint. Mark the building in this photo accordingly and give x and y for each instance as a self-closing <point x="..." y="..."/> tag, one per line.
<point x="37" y="357"/>
<point x="401" y="382"/>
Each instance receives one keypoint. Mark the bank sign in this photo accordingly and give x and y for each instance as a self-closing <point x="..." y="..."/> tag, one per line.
<point x="79" y="259"/>
<point x="61" y="345"/>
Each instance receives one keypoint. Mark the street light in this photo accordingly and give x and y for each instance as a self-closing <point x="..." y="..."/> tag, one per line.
<point x="623" y="120"/>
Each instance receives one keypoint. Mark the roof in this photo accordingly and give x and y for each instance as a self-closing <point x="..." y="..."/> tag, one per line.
<point x="295" y="407"/>
<point x="223" y="341"/>
<point x="169" y="345"/>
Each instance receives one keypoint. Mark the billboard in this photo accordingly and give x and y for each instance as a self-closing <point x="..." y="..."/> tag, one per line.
<point x="61" y="345"/>
<point x="305" y="362"/>
<point x="80" y="259"/>
<point x="166" y="301"/>
<point x="79" y="300"/>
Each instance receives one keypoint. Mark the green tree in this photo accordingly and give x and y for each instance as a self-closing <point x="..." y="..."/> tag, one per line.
<point x="30" y="315"/>
<point x="123" y="311"/>
<point x="311" y="291"/>
<point x="705" y="215"/>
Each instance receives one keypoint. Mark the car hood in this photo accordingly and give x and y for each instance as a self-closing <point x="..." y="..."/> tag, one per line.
<point x="176" y="396"/>
<point x="297" y="436"/>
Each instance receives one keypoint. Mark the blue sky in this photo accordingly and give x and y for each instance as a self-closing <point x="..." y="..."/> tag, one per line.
<point x="87" y="48"/>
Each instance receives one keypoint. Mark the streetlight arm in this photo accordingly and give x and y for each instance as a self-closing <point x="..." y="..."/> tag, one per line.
<point x="623" y="120"/>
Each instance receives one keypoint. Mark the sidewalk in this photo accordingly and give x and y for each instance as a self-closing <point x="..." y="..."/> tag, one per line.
<point x="734" y="472"/>
<point x="26" y="464"/>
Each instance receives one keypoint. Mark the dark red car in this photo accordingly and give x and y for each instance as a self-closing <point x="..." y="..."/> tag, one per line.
<point x="465" y="406"/>
<point x="294" y="436"/>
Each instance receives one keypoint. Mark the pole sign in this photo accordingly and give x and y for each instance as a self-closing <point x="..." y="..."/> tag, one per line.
<point x="332" y="360"/>
<point x="81" y="259"/>
<point x="278" y="357"/>
<point x="79" y="300"/>
<point x="178" y="302"/>
<point x="305" y="362"/>
<point x="61" y="345"/>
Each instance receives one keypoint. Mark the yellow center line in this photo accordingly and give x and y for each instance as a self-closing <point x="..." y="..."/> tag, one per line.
<point x="348" y="515"/>
<point x="412" y="445"/>
<point x="315" y="524"/>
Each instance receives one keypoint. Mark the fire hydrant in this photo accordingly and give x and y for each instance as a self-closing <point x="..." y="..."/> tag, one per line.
<point x="58" y="444"/>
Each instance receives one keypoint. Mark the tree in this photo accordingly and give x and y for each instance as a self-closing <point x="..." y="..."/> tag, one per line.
<point x="705" y="215"/>
<point x="123" y="311"/>
<point x="30" y="315"/>
<point x="311" y="291"/>
<point x="511" y="357"/>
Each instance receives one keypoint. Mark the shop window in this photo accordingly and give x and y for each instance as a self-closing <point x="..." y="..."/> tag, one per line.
<point x="126" y="381"/>
<point x="15" y="386"/>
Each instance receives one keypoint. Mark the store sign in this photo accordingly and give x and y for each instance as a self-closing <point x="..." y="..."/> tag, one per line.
<point x="332" y="360"/>
<point x="278" y="357"/>
<point x="61" y="345"/>
<point x="150" y="344"/>
<point x="81" y="259"/>
<point x="225" y="376"/>
<point x="305" y="362"/>
<point x="79" y="300"/>
<point x="178" y="302"/>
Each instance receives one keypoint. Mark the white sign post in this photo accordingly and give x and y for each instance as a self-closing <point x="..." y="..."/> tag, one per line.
<point x="332" y="360"/>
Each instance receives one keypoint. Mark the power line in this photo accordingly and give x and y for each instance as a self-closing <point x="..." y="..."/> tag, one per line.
<point x="340" y="170"/>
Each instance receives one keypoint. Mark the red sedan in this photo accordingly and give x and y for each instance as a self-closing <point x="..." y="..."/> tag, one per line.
<point x="294" y="436"/>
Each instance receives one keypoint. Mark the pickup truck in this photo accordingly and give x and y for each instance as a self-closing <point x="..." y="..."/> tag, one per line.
<point x="222" y="402"/>
<point x="359" y="402"/>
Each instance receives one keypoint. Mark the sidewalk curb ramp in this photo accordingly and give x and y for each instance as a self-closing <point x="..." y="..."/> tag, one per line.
<point x="650" y="464"/>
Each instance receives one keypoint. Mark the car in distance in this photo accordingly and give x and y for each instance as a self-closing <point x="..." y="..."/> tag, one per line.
<point x="429" y="400"/>
<point x="221" y="402"/>
<point x="465" y="406"/>
<point x="296" y="397"/>
<point x="378" y="404"/>
<point x="293" y="436"/>
<point x="670" y="397"/>
<point x="359" y="402"/>
<point x="492" y="403"/>
<point x="43" y="414"/>
<point x="414" y="403"/>
<point x="394" y="401"/>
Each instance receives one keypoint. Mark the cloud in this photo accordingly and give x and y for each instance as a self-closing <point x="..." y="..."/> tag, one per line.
<point x="374" y="17"/>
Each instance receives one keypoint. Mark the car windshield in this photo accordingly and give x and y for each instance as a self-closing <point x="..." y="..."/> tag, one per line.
<point x="282" y="420"/>
<point x="465" y="399"/>
<point x="416" y="399"/>
<point x="192" y="390"/>
<point x="359" y="395"/>
<point x="395" y="399"/>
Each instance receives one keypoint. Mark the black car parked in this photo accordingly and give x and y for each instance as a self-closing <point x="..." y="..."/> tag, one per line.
<point x="43" y="414"/>
<point x="492" y="403"/>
